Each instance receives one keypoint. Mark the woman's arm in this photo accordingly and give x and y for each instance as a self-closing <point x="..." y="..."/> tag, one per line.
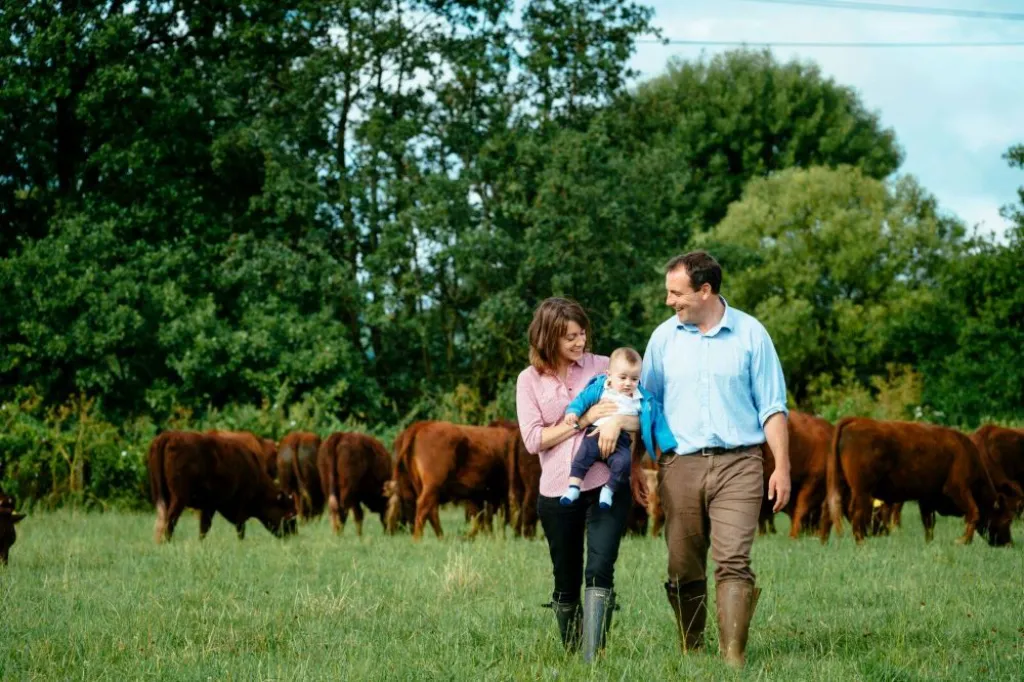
<point x="551" y="436"/>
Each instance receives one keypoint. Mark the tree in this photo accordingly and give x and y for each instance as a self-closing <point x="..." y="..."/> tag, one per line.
<point x="834" y="263"/>
<point x="742" y="115"/>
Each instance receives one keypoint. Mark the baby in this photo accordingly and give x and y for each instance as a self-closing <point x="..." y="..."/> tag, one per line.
<point x="621" y="385"/>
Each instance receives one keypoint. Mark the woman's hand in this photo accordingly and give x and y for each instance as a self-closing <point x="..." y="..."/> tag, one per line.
<point x="607" y="436"/>
<point x="604" y="408"/>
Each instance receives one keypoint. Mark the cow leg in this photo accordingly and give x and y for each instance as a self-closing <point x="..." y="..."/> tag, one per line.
<point x="338" y="514"/>
<point x="160" y="528"/>
<point x="357" y="514"/>
<point x="963" y="499"/>
<point x="528" y="514"/>
<point x="205" y="521"/>
<point x="173" y="514"/>
<point x="860" y="515"/>
<point x="927" y="520"/>
<point x="240" y="529"/>
<point x="801" y="509"/>
<point x="426" y="507"/>
<point x="897" y="515"/>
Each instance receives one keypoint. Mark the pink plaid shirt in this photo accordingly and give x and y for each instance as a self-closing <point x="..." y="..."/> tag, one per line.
<point x="541" y="400"/>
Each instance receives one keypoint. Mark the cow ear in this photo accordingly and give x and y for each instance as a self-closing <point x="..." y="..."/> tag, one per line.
<point x="15" y="517"/>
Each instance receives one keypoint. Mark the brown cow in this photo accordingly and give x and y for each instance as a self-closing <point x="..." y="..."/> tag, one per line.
<point x="1005" y="449"/>
<point x="8" y="519"/>
<point x="264" y="448"/>
<point x="212" y="474"/>
<point x="810" y="439"/>
<point x="655" y="512"/>
<point x="900" y="461"/>
<point x="524" y="482"/>
<point x="353" y="469"/>
<point x="298" y="472"/>
<point x="441" y="462"/>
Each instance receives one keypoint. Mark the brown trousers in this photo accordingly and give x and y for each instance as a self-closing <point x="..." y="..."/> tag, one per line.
<point x="716" y="499"/>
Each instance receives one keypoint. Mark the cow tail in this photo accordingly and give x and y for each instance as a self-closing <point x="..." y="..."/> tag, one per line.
<point x="832" y="469"/>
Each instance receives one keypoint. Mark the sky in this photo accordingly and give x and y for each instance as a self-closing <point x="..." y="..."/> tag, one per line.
<point x="955" y="110"/>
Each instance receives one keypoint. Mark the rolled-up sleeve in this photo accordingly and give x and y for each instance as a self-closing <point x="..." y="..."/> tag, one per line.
<point x="768" y="384"/>
<point x="528" y="411"/>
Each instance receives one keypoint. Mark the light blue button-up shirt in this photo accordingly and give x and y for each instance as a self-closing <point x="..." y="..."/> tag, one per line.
<point x="719" y="388"/>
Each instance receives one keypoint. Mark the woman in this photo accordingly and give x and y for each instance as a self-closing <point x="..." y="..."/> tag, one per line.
<point x="560" y="367"/>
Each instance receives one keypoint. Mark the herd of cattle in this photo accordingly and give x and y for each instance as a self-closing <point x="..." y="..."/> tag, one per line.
<point x="860" y="469"/>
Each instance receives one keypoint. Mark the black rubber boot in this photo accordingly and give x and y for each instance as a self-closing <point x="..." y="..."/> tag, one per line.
<point x="569" y="617"/>
<point x="598" y="604"/>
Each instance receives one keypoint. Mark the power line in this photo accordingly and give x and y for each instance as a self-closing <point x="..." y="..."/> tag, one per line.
<point x="785" y="43"/>
<point x="902" y="9"/>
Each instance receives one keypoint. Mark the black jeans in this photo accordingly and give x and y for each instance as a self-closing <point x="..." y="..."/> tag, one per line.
<point x="565" y="527"/>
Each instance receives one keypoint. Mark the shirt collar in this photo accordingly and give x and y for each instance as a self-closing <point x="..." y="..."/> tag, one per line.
<point x="725" y="323"/>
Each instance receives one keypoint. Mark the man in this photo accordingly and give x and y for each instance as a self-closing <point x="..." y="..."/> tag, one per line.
<point x="718" y="376"/>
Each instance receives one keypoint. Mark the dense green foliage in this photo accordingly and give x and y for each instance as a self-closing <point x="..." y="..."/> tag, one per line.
<point x="90" y="596"/>
<point x="213" y="209"/>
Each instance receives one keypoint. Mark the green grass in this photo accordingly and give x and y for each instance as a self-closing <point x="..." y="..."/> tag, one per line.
<point x="89" y="596"/>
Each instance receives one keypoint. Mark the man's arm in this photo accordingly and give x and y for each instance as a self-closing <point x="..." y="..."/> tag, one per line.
<point x="768" y="385"/>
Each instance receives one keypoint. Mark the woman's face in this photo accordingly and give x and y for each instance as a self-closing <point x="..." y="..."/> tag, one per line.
<point x="572" y="343"/>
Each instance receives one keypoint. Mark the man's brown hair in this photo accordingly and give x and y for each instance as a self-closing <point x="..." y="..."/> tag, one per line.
<point x="550" y="320"/>
<point x="701" y="267"/>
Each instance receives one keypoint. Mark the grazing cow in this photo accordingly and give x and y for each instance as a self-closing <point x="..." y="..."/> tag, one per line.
<point x="1005" y="449"/>
<point x="353" y="469"/>
<point x="264" y="448"/>
<point x="299" y="473"/>
<point x="438" y="462"/>
<point x="810" y="439"/>
<point x="8" y="519"/>
<point x="213" y="474"/>
<point x="523" y="482"/>
<point x="885" y="516"/>
<point x="399" y="491"/>
<point x="900" y="461"/>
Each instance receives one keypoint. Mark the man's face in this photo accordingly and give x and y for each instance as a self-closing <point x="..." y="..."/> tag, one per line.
<point x="681" y="297"/>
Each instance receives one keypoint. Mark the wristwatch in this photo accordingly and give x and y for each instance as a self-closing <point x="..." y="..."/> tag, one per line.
<point x="577" y="426"/>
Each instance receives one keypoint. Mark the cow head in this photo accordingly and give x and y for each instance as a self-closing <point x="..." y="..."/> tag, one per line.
<point x="995" y="525"/>
<point x="278" y="514"/>
<point x="8" y="519"/>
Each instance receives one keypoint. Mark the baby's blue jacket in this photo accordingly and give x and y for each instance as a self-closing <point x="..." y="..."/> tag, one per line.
<point x="653" y="425"/>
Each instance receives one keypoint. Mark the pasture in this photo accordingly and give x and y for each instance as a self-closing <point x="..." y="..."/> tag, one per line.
<point x="91" y="597"/>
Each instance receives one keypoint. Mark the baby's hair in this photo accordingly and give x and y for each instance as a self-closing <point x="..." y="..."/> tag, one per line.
<point x="627" y="355"/>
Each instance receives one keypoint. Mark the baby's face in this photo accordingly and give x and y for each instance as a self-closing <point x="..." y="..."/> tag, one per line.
<point x="624" y="377"/>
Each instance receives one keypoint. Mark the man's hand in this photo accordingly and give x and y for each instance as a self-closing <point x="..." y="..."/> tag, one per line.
<point x="779" y="489"/>
<point x="638" y="483"/>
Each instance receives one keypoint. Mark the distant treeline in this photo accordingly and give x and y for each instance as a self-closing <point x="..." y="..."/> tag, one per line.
<point x="342" y="214"/>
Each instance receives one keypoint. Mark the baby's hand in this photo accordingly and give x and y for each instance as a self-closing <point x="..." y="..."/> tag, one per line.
<point x="571" y="419"/>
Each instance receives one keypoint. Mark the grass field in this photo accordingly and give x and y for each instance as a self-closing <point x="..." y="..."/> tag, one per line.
<point x="89" y="596"/>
